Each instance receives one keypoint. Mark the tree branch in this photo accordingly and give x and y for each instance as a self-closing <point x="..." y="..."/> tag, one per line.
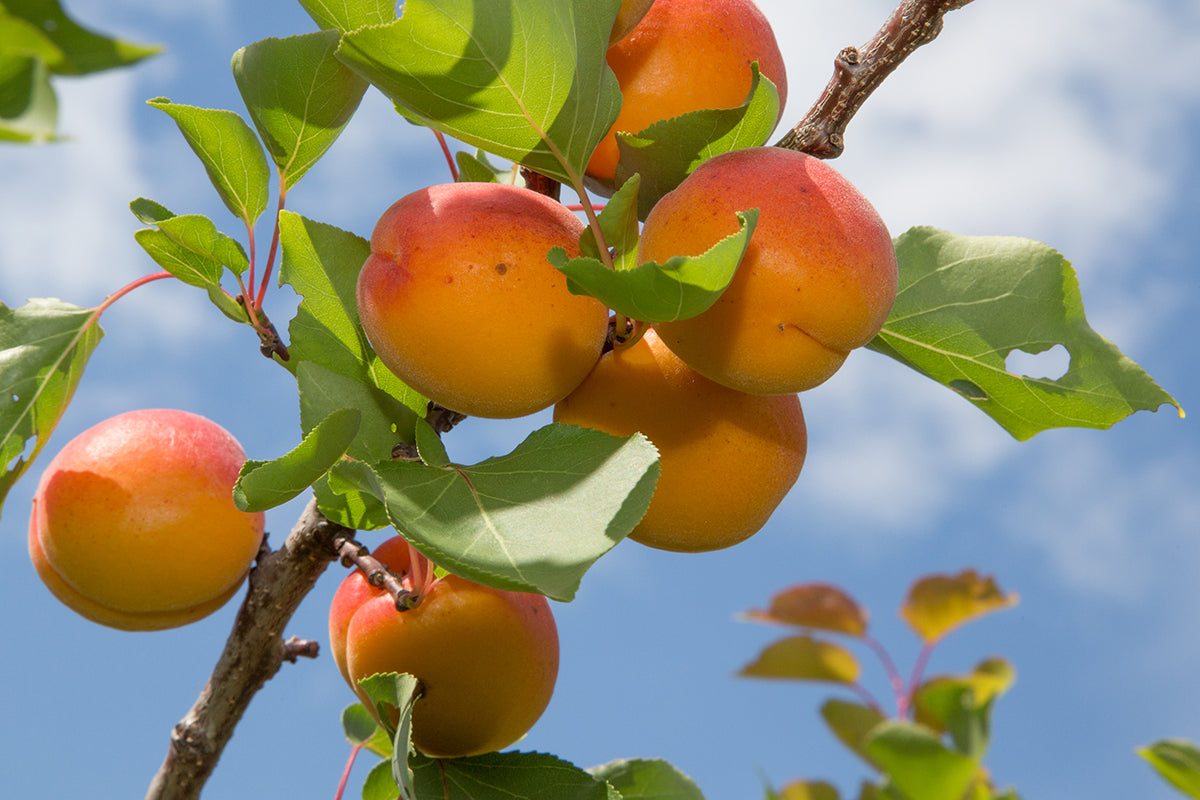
<point x="253" y="654"/>
<point x="859" y="71"/>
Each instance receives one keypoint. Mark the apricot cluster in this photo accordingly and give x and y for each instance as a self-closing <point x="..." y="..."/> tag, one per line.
<point x="134" y="524"/>
<point x="486" y="659"/>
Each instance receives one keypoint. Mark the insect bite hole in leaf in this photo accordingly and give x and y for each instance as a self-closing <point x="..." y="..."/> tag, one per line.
<point x="1050" y="364"/>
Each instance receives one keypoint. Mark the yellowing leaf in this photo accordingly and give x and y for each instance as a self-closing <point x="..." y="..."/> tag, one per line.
<point x="937" y="604"/>
<point x="815" y="605"/>
<point x="808" y="790"/>
<point x="803" y="658"/>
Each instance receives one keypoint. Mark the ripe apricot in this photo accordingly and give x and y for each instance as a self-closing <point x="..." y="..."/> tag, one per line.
<point x="817" y="280"/>
<point x="728" y="458"/>
<point x="134" y="524"/>
<point x="458" y="299"/>
<point x="487" y="659"/>
<point x="687" y="55"/>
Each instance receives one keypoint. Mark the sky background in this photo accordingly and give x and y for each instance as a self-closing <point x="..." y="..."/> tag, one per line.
<point x="1075" y="122"/>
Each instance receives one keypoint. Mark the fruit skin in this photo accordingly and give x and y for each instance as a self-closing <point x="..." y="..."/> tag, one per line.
<point x="487" y="659"/>
<point x="134" y="525"/>
<point x="459" y="301"/>
<point x="728" y="458"/>
<point x="687" y="55"/>
<point x="818" y="278"/>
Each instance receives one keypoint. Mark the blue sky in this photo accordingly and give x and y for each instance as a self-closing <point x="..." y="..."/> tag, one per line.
<point x="1073" y="123"/>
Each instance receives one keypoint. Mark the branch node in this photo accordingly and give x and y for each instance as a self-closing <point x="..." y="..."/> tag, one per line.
<point x="295" y="648"/>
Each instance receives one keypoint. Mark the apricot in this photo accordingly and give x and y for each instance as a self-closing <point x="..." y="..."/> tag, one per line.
<point x="687" y="55"/>
<point x="134" y="524"/>
<point x="728" y="458"/>
<point x="486" y="659"/>
<point x="817" y="280"/>
<point x="459" y="300"/>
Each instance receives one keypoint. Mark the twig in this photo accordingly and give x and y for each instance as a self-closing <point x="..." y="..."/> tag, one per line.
<point x="859" y="71"/>
<point x="253" y="654"/>
<point x="377" y="574"/>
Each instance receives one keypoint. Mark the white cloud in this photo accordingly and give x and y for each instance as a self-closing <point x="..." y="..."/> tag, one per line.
<point x="1107" y="528"/>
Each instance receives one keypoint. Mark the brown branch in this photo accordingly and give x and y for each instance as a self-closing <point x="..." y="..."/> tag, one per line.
<point x="377" y="574"/>
<point x="859" y="71"/>
<point x="253" y="654"/>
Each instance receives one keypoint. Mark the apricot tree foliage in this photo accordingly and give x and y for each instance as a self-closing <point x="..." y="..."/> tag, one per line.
<point x="525" y="81"/>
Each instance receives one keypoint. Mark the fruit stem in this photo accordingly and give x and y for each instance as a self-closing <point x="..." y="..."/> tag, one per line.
<point x="266" y="278"/>
<point x="449" y="157"/>
<point x="341" y="789"/>
<point x="893" y="673"/>
<point x="918" y="673"/>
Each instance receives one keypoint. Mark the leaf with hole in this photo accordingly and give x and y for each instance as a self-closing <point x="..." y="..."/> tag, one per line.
<point x="966" y="302"/>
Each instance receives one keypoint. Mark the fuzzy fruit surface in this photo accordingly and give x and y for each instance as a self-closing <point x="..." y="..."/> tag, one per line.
<point x="458" y="299"/>
<point x="487" y="659"/>
<point x="134" y="524"/>
<point x="728" y="458"/>
<point x="687" y="55"/>
<point x="817" y="280"/>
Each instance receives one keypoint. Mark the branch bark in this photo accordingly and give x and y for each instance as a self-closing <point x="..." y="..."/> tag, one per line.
<point x="857" y="72"/>
<point x="253" y="654"/>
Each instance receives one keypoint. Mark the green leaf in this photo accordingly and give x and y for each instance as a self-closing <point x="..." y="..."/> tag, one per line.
<point x="322" y="263"/>
<point x="379" y="784"/>
<point x="647" y="779"/>
<point x="667" y="152"/>
<point x="401" y="692"/>
<point x="965" y="303"/>
<point x="267" y="484"/>
<point x="1178" y="762"/>
<point x="523" y="79"/>
<point x="299" y="96"/>
<point x="28" y="106"/>
<point x="385" y="422"/>
<point x="851" y="723"/>
<point x="346" y="15"/>
<point x="79" y="50"/>
<point x="44" y="347"/>
<point x="619" y="226"/>
<point x="149" y="212"/>
<point x="476" y="168"/>
<point x="429" y="445"/>
<point x="534" y="520"/>
<point x="803" y="658"/>
<point x="199" y="234"/>
<point x="506" y="776"/>
<point x="962" y="704"/>
<point x="651" y="292"/>
<point x="918" y="764"/>
<point x="231" y="155"/>
<point x="191" y="268"/>
<point x="362" y="730"/>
